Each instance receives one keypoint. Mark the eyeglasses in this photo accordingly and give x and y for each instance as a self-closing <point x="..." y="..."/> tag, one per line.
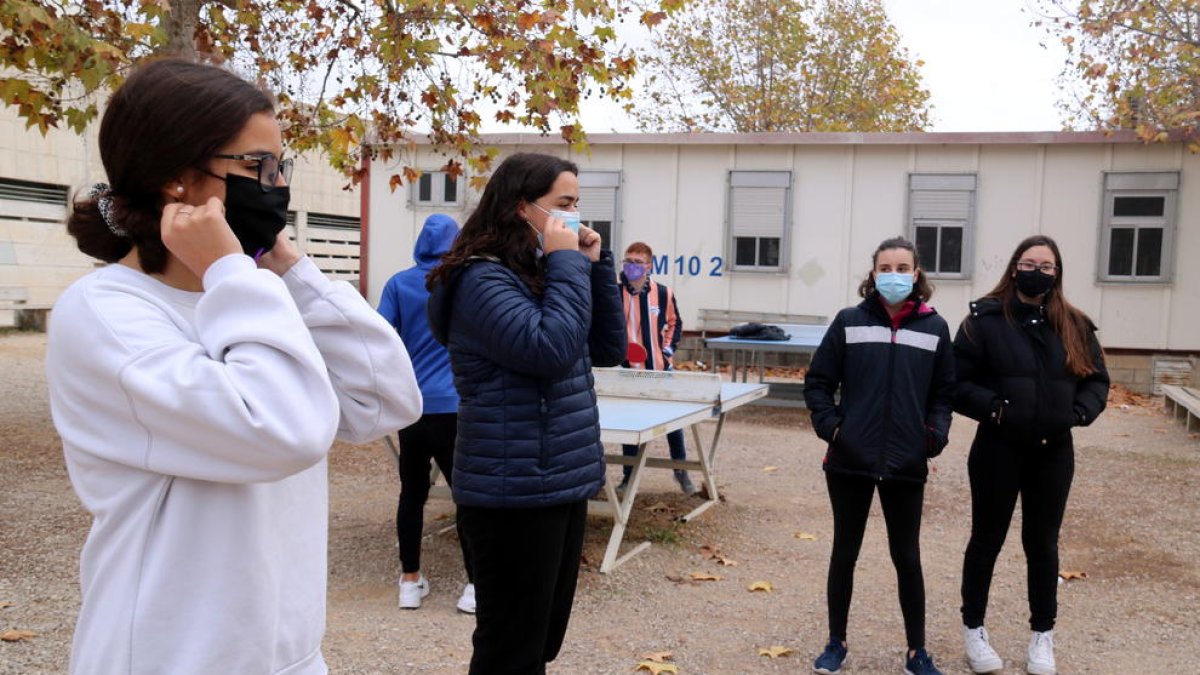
<point x="1044" y="268"/>
<point x="270" y="168"/>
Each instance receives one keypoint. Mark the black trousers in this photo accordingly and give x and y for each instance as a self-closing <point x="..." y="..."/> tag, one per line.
<point x="902" y="502"/>
<point x="1000" y="472"/>
<point x="431" y="438"/>
<point x="526" y="564"/>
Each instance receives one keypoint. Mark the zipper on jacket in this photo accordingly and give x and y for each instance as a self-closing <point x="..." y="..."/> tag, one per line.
<point x="543" y="417"/>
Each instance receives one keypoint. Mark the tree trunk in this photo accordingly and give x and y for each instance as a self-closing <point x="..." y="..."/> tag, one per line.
<point x="181" y="29"/>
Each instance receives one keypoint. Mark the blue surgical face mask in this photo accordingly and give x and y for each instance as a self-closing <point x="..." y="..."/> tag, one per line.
<point x="569" y="218"/>
<point x="895" y="287"/>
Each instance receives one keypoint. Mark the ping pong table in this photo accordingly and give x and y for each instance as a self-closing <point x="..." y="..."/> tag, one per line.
<point x="639" y="406"/>
<point x="802" y="339"/>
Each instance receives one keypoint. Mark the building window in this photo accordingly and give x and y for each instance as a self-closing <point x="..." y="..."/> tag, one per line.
<point x="437" y="188"/>
<point x="600" y="205"/>
<point x="941" y="222"/>
<point x="759" y="215"/>
<point x="1138" y="226"/>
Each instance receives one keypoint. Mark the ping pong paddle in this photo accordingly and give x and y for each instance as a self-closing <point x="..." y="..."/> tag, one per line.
<point x="635" y="353"/>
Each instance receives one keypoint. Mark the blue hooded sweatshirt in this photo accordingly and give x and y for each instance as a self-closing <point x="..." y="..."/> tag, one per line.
<point x="403" y="305"/>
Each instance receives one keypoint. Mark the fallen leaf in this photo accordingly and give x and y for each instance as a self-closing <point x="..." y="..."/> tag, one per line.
<point x="709" y="551"/>
<point x="657" y="657"/>
<point x="727" y="562"/>
<point x="760" y="586"/>
<point x="774" y="652"/>
<point x="656" y="668"/>
<point x="656" y="506"/>
<point x="770" y="469"/>
<point x="4" y="604"/>
<point x="704" y="576"/>
<point x="1072" y="575"/>
<point x="17" y="635"/>
<point x="805" y="536"/>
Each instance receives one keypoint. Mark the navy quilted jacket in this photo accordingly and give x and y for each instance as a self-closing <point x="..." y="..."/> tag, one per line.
<point x="528" y="427"/>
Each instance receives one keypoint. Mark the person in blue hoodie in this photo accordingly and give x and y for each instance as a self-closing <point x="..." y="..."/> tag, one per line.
<point x="432" y="437"/>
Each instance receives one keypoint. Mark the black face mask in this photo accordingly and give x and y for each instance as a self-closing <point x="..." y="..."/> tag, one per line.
<point x="1034" y="282"/>
<point x="255" y="217"/>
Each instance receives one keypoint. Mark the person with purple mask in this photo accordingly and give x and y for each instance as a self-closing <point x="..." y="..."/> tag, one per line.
<point x="652" y="322"/>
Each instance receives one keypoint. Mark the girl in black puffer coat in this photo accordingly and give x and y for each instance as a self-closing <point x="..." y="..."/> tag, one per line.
<point x="893" y="360"/>
<point x="1029" y="369"/>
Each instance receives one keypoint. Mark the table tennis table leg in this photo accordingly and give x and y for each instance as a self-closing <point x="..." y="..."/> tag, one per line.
<point x="622" y="508"/>
<point x="706" y="458"/>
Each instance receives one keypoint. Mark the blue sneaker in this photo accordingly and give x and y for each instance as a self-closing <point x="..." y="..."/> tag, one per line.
<point x="830" y="661"/>
<point x="921" y="663"/>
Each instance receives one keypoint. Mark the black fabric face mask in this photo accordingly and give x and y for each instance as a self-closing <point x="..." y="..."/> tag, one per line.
<point x="1034" y="283"/>
<point x="255" y="217"/>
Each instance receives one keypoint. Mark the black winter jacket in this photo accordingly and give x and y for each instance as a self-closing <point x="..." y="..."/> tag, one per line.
<point x="1016" y="371"/>
<point x="897" y="386"/>
<point x="528" y="427"/>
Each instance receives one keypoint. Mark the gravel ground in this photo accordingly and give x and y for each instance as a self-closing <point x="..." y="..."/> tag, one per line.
<point x="1130" y="527"/>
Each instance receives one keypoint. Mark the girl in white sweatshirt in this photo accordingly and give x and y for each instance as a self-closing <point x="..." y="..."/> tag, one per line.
<point x="197" y="384"/>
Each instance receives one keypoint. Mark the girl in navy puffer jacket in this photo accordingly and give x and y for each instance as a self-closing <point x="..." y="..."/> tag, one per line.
<point x="892" y="358"/>
<point x="526" y="302"/>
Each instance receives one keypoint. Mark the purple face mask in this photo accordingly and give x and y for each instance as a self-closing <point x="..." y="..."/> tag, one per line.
<point x="633" y="271"/>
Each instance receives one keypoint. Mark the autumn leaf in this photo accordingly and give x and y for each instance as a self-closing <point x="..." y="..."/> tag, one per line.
<point x="1070" y="576"/>
<point x="655" y="668"/>
<point x="774" y="652"/>
<point x="656" y="507"/>
<point x="764" y="586"/>
<point x="4" y="604"/>
<point x="805" y="536"/>
<point x="704" y="576"/>
<point x="17" y="635"/>
<point x="770" y="469"/>
<point x="726" y="562"/>
<point x="657" y="657"/>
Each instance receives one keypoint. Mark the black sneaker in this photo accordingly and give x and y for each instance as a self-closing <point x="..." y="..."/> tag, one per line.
<point x="921" y="663"/>
<point x="830" y="661"/>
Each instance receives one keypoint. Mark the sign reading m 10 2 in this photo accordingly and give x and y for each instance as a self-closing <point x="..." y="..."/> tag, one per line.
<point x="691" y="266"/>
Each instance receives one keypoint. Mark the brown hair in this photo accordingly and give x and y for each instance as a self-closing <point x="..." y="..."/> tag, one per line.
<point x="922" y="289"/>
<point x="1072" y="326"/>
<point x="169" y="115"/>
<point x="495" y="229"/>
<point x="640" y="247"/>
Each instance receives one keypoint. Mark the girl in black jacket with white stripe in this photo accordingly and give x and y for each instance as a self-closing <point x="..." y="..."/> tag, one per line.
<point x="892" y="357"/>
<point x="1029" y="369"/>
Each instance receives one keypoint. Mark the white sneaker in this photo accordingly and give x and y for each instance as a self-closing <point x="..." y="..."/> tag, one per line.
<point x="1041" y="654"/>
<point x="980" y="655"/>
<point x="466" y="604"/>
<point x="411" y="592"/>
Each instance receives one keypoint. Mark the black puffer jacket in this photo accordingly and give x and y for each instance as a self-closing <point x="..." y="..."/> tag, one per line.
<point x="897" y="386"/>
<point x="1015" y="371"/>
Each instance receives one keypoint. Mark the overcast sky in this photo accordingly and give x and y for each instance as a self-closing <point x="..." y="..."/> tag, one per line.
<point x="985" y="67"/>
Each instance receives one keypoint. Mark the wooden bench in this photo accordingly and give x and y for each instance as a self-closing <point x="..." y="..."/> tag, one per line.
<point x="721" y="320"/>
<point x="1176" y="398"/>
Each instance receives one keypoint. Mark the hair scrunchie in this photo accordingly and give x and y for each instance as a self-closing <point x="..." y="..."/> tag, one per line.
<point x="101" y="193"/>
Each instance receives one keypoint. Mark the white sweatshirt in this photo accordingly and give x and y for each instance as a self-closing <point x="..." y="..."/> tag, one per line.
<point x="196" y="428"/>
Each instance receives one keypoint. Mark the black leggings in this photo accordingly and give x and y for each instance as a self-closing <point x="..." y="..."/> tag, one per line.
<point x="851" y="498"/>
<point x="999" y="472"/>
<point x="526" y="565"/>
<point x="430" y="438"/>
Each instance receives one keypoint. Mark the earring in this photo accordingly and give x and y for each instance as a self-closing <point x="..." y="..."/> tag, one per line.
<point x="179" y="188"/>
